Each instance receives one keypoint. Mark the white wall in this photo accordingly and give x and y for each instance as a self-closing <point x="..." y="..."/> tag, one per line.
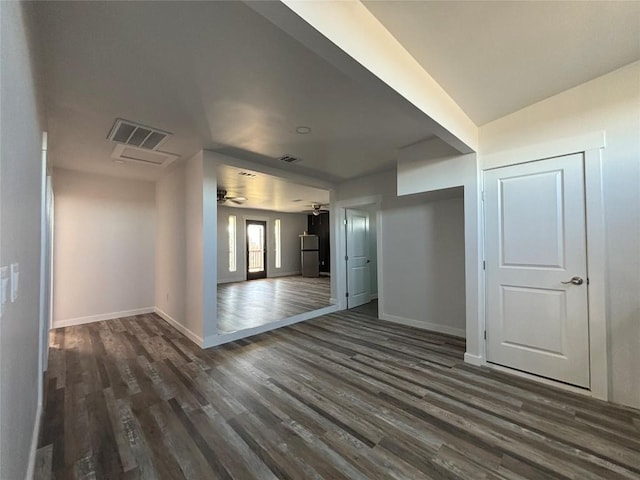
<point x="171" y="270"/>
<point x="20" y="196"/>
<point x="292" y="225"/>
<point x="193" y="236"/>
<point x="424" y="262"/>
<point x="186" y="259"/>
<point x="104" y="247"/>
<point x="610" y="103"/>
<point x="433" y="166"/>
<point x="422" y="247"/>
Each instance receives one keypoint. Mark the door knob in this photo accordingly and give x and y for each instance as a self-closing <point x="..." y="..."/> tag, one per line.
<point x="574" y="281"/>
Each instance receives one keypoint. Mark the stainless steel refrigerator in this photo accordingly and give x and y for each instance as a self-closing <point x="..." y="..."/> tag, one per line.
<point x="310" y="255"/>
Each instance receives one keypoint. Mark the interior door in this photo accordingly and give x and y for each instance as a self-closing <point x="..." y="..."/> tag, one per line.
<point x="256" y="249"/>
<point x="358" y="262"/>
<point x="536" y="269"/>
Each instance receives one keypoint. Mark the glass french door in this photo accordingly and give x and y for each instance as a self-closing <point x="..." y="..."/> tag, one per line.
<point x="256" y="249"/>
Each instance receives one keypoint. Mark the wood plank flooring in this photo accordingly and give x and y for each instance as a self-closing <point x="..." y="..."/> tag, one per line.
<point x="243" y="305"/>
<point x="342" y="396"/>
<point x="369" y="309"/>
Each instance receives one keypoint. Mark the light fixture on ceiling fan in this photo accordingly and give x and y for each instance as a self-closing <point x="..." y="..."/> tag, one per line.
<point x="223" y="197"/>
<point x="316" y="209"/>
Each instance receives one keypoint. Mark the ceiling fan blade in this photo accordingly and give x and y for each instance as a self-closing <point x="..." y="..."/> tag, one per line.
<point x="238" y="200"/>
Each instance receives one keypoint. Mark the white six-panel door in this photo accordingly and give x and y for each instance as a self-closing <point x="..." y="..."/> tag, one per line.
<point x="535" y="244"/>
<point x="358" y="262"/>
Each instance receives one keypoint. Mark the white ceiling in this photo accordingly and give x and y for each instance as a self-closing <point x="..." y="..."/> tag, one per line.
<point x="496" y="57"/>
<point x="266" y="192"/>
<point x="217" y="75"/>
<point x="220" y="76"/>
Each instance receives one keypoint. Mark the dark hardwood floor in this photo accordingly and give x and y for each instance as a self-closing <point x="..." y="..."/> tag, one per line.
<point x="243" y="305"/>
<point x="369" y="309"/>
<point x="343" y="396"/>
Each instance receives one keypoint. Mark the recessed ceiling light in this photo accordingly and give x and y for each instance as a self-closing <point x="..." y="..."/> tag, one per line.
<point x="302" y="130"/>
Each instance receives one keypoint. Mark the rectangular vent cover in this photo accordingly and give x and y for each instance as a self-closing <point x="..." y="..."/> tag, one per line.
<point x="137" y="155"/>
<point x="289" y="158"/>
<point x="129" y="133"/>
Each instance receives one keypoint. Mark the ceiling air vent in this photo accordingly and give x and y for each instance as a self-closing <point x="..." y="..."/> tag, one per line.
<point x="129" y="133"/>
<point x="289" y="158"/>
<point x="153" y="158"/>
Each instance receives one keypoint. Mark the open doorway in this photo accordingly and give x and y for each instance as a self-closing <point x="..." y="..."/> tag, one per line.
<point x="256" y="233"/>
<point x="359" y="269"/>
<point x="273" y="250"/>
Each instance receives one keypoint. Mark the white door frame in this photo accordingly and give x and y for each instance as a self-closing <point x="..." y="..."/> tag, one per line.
<point x="46" y="267"/>
<point x="592" y="147"/>
<point x="268" y="232"/>
<point x="338" y="212"/>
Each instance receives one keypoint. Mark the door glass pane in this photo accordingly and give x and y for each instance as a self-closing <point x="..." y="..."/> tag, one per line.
<point x="255" y="236"/>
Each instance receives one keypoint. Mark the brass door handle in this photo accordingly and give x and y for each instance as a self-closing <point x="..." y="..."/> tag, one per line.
<point x="574" y="281"/>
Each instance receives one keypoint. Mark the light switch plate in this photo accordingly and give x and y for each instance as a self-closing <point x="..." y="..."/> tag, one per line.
<point x="15" y="281"/>
<point x="4" y="287"/>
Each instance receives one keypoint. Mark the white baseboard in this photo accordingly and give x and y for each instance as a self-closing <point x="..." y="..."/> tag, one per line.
<point x="476" y="360"/>
<point x="373" y="296"/>
<point x="69" y="322"/>
<point x="197" y="339"/>
<point x="284" y="274"/>
<point x="434" y="327"/>
<point x="31" y="466"/>
<point x="215" y="340"/>
<point x="270" y="275"/>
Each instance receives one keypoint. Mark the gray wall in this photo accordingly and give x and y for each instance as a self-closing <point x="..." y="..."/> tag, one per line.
<point x="422" y="247"/>
<point x="292" y="225"/>
<point x="20" y="203"/>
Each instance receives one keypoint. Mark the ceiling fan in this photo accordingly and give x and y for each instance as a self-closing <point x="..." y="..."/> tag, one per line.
<point x="223" y="197"/>
<point x="317" y="209"/>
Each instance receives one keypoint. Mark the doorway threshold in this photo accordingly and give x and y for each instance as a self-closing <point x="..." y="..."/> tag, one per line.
<point x="539" y="379"/>
<point x="215" y="340"/>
